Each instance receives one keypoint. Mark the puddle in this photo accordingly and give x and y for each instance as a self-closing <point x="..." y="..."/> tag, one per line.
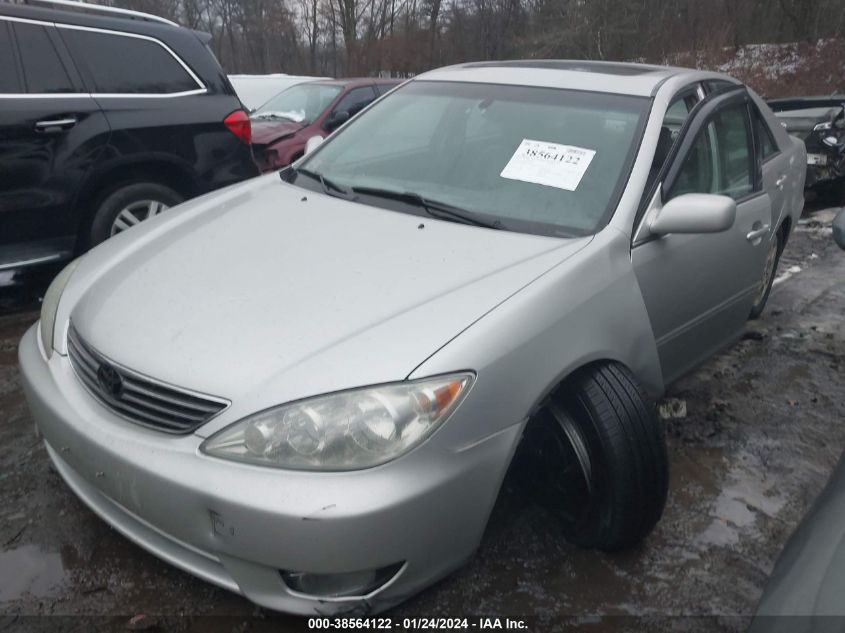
<point x="29" y="570"/>
<point x="739" y="504"/>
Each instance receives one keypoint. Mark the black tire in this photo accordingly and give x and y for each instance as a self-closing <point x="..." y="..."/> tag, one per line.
<point x="768" y="278"/>
<point x="119" y="199"/>
<point x="627" y="463"/>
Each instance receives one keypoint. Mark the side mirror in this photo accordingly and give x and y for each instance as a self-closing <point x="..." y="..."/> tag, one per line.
<point x="313" y="143"/>
<point x="695" y="213"/>
<point x="337" y="119"/>
<point x="839" y="229"/>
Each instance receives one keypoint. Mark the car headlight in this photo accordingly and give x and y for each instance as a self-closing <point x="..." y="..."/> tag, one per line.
<point x="821" y="127"/>
<point x="347" y="430"/>
<point x="50" y="305"/>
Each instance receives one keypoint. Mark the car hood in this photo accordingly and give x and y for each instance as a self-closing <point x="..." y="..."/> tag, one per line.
<point x="268" y="131"/>
<point x="270" y="287"/>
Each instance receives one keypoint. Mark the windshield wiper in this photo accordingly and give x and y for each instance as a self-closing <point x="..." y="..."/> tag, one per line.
<point x="328" y="185"/>
<point x="434" y="208"/>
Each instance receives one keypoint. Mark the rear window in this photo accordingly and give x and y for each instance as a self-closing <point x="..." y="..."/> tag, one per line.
<point x="43" y="70"/>
<point x="9" y="81"/>
<point x="123" y="64"/>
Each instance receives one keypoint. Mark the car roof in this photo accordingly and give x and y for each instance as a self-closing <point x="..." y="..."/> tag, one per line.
<point x="611" y="77"/>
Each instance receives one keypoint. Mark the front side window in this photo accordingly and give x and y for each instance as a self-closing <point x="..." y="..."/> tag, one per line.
<point x="677" y="113"/>
<point x="674" y="119"/>
<point x="301" y="103"/>
<point x="43" y="70"/>
<point x="385" y="88"/>
<point x="720" y="160"/>
<point x="536" y="160"/>
<point x="355" y="100"/>
<point x="120" y="64"/>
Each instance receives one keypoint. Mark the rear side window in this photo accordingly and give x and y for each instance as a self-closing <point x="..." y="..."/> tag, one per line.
<point x="9" y="80"/>
<point x="765" y="140"/>
<point x="120" y="64"/>
<point x="42" y="68"/>
<point x="737" y="162"/>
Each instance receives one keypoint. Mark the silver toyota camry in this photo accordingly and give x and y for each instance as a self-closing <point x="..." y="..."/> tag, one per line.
<point x="308" y="388"/>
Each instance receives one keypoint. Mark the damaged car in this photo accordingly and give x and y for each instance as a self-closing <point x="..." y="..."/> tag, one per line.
<point x="308" y="388"/>
<point x="820" y="123"/>
<point x="283" y="126"/>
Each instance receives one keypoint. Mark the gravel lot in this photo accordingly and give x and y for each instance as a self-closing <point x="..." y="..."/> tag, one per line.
<point x="762" y="430"/>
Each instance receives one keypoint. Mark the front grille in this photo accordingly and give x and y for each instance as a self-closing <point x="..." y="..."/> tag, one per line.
<point x="136" y="397"/>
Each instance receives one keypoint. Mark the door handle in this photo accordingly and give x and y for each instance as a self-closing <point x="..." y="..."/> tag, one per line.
<point x="758" y="233"/>
<point x="55" y="125"/>
<point x="780" y="182"/>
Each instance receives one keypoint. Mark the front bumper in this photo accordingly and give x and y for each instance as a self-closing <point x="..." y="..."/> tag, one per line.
<point x="238" y="526"/>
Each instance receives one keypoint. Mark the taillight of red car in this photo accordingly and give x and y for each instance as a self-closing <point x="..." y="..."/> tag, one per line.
<point x="239" y="125"/>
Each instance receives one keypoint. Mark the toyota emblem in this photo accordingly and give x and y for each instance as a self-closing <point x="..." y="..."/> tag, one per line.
<point x="110" y="381"/>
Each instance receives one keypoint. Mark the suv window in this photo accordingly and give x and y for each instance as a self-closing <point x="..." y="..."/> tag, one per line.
<point x="765" y="140"/>
<point x="9" y="81"/>
<point x="355" y="100"/>
<point x="124" y="64"/>
<point x="42" y="68"/>
<point x="720" y="160"/>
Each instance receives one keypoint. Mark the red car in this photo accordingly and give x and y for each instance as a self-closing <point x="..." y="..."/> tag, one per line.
<point x="283" y="125"/>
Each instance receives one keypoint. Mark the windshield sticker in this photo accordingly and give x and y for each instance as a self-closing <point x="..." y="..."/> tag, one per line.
<point x="548" y="164"/>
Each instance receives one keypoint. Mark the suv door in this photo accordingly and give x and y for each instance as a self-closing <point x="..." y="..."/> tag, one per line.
<point x="699" y="289"/>
<point x="51" y="133"/>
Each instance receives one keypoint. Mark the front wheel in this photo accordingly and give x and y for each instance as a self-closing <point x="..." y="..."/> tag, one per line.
<point x="129" y="205"/>
<point x="768" y="279"/>
<point x="596" y="456"/>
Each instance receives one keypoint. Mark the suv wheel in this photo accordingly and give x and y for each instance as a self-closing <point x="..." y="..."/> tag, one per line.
<point x="128" y="206"/>
<point x="596" y="457"/>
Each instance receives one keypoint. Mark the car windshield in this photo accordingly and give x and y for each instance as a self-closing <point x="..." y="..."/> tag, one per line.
<point x="301" y="103"/>
<point x="529" y="159"/>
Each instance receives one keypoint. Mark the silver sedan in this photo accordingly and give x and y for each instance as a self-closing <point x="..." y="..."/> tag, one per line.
<point x="308" y="388"/>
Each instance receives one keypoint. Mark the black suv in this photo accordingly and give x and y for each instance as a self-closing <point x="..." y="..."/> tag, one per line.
<point x="106" y="120"/>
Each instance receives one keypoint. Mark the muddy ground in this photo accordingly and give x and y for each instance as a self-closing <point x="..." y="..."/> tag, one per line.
<point x="763" y="429"/>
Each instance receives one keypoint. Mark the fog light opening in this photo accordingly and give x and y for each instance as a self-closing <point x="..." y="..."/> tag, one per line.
<point x="350" y="584"/>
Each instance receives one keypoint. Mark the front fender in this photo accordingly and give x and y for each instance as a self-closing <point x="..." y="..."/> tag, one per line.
<point x="587" y="308"/>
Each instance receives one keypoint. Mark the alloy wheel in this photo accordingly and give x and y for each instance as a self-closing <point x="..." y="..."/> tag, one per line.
<point x="136" y="213"/>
